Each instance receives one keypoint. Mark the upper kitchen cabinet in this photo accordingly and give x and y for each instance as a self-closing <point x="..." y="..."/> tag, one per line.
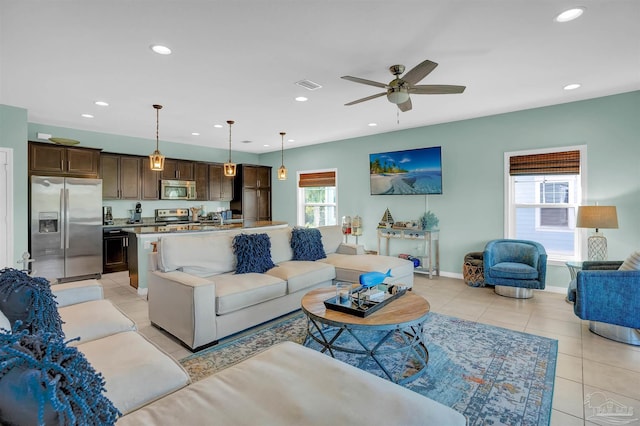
<point x="178" y="169"/>
<point x="59" y="160"/>
<point x="220" y="186"/>
<point x="252" y="192"/>
<point x="202" y="181"/>
<point x="150" y="181"/>
<point x="120" y="176"/>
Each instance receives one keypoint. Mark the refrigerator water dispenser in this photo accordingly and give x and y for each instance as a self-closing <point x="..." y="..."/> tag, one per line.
<point x="47" y="222"/>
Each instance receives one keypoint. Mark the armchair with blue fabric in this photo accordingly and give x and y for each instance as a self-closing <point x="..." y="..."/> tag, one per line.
<point x="515" y="267"/>
<point x="609" y="299"/>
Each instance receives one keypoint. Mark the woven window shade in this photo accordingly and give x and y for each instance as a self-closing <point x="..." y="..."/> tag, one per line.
<point x="553" y="163"/>
<point x="317" y="179"/>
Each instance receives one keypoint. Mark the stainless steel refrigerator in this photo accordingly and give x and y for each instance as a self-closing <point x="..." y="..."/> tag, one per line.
<point x="66" y="227"/>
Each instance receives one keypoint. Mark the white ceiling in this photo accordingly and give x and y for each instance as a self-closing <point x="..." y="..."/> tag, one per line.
<point x="240" y="60"/>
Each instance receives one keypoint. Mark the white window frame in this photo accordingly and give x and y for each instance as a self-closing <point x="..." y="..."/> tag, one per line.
<point x="572" y="220"/>
<point x="300" y="204"/>
<point x="510" y="206"/>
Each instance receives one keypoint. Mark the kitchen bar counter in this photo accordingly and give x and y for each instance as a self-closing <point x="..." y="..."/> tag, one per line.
<point x="141" y="237"/>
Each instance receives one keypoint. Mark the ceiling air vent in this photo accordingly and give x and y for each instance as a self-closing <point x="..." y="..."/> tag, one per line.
<point x="308" y="84"/>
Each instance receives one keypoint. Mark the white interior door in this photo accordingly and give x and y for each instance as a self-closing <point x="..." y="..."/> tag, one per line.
<point x="6" y="205"/>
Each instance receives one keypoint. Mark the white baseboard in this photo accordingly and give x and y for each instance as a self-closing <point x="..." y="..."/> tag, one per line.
<point x="548" y="288"/>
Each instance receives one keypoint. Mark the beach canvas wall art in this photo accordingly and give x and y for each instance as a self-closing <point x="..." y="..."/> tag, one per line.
<point x="409" y="172"/>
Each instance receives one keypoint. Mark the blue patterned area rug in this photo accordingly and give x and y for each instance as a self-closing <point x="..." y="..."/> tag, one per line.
<point x="492" y="375"/>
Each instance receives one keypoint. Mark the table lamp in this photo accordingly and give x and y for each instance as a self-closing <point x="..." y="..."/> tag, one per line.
<point x="597" y="217"/>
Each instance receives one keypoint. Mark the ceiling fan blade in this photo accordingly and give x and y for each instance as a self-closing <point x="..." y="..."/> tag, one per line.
<point x="436" y="89"/>
<point x="364" y="81"/>
<point x="419" y="72"/>
<point x="368" y="98"/>
<point x="405" y="106"/>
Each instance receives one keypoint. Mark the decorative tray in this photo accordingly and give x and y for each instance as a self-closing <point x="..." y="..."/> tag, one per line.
<point x="364" y="308"/>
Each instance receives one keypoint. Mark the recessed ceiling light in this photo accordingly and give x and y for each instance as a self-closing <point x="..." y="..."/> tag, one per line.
<point x="570" y="14"/>
<point x="160" y="49"/>
<point x="218" y="126"/>
<point x="301" y="99"/>
<point x="372" y="124"/>
<point x="571" y="86"/>
<point x="246" y="141"/>
<point x="87" y="115"/>
<point x="266" y="145"/>
<point x="101" y="103"/>
<point x="195" y="134"/>
<point x="291" y="140"/>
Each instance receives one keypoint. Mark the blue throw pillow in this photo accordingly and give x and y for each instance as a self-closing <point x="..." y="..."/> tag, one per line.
<point x="44" y="381"/>
<point x="307" y="244"/>
<point x="29" y="300"/>
<point x="253" y="253"/>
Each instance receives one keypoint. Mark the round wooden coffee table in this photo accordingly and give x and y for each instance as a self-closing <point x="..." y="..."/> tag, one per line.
<point x="392" y="337"/>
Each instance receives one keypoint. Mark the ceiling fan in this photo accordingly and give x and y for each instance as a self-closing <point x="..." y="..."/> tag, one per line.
<point x="398" y="89"/>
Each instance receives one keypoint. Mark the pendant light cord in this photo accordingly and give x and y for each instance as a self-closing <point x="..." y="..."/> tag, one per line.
<point x="230" y="122"/>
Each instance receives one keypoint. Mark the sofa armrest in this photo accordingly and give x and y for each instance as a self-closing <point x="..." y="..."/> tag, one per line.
<point x="184" y="305"/>
<point x="612" y="297"/>
<point x="77" y="292"/>
<point x="344" y="248"/>
<point x="602" y="265"/>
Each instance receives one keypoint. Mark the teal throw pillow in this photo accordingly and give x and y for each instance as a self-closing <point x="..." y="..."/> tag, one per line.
<point x="253" y="253"/>
<point x="306" y="244"/>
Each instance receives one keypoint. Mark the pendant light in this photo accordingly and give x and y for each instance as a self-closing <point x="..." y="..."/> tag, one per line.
<point x="282" y="171"/>
<point x="157" y="159"/>
<point x="229" y="167"/>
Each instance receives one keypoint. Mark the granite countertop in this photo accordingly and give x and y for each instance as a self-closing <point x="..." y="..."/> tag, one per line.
<point x="197" y="227"/>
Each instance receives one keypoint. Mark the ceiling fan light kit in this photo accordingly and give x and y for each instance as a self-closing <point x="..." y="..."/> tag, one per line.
<point x="229" y="167"/>
<point x="156" y="159"/>
<point x="399" y="89"/>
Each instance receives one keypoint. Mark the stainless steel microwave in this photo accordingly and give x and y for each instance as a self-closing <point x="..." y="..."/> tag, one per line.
<point x="177" y="189"/>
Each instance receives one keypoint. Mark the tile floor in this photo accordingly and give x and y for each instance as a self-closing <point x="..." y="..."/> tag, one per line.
<point x="588" y="366"/>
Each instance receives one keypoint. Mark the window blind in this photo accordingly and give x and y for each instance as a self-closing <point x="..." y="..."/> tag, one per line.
<point x="553" y="163"/>
<point x="317" y="179"/>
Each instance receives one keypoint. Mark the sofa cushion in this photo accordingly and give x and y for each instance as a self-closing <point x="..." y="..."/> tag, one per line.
<point x="350" y="267"/>
<point x="136" y="372"/>
<point x="301" y="274"/>
<point x="307" y="244"/>
<point x="289" y="384"/>
<point x="29" y="300"/>
<point x="331" y="238"/>
<point x="513" y="270"/>
<point x="632" y="263"/>
<point x="235" y="292"/>
<point x="253" y="253"/>
<point x="93" y="320"/>
<point x="280" y="245"/>
<point x="202" y="255"/>
<point x="49" y="383"/>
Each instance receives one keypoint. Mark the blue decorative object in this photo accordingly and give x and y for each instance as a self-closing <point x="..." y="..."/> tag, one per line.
<point x="44" y="381"/>
<point x="253" y="253"/>
<point x="307" y="244"/>
<point x="29" y="300"/>
<point x="371" y="279"/>
<point x="515" y="263"/>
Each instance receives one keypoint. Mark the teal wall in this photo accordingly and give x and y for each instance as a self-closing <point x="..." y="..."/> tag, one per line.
<point x="13" y="134"/>
<point x="471" y="209"/>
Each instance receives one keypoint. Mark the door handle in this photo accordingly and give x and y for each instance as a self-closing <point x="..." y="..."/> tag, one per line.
<point x="66" y="203"/>
<point x="63" y="218"/>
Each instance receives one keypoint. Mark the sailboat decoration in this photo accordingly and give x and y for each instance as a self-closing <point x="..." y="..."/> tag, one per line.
<point x="387" y="220"/>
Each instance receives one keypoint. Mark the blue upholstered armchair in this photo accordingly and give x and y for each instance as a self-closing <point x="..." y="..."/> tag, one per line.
<point x="515" y="267"/>
<point x="609" y="299"/>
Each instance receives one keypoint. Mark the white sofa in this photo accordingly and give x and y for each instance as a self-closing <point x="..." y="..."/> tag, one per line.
<point x="195" y="295"/>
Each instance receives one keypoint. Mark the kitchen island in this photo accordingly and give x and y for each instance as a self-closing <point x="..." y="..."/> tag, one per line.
<point x="142" y="237"/>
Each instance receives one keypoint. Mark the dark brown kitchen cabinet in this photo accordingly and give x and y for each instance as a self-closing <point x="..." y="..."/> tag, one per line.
<point x="220" y="186"/>
<point x="63" y="161"/>
<point x="252" y="192"/>
<point x="202" y="181"/>
<point x="150" y="181"/>
<point x="120" y="176"/>
<point x="115" y="251"/>
<point x="178" y="169"/>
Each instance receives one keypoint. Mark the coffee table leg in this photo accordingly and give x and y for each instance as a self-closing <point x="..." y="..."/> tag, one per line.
<point x="316" y="332"/>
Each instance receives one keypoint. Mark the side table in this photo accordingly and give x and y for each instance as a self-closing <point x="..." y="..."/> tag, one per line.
<point x="574" y="266"/>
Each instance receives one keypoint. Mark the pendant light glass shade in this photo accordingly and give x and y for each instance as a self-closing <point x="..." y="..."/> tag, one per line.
<point x="229" y="167"/>
<point x="156" y="159"/>
<point x="282" y="170"/>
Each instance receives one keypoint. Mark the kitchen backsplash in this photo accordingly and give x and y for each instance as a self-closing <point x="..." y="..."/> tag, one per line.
<point x="121" y="208"/>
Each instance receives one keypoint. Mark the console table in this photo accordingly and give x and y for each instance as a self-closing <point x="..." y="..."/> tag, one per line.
<point x="430" y="239"/>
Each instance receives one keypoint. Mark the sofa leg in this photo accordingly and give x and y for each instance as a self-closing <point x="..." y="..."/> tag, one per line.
<point x="513" y="292"/>
<point x="630" y="336"/>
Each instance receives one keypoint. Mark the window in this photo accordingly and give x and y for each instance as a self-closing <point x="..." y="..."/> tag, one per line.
<point x="544" y="189"/>
<point x="317" y="198"/>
